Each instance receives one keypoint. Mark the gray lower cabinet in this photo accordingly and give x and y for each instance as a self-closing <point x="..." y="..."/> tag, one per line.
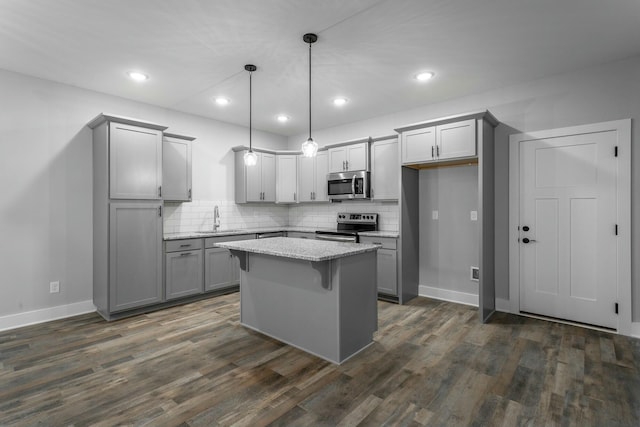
<point x="221" y="269"/>
<point x="387" y="264"/>
<point x="135" y="255"/>
<point x="183" y="268"/>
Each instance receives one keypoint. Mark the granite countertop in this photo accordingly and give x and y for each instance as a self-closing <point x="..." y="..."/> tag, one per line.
<point x="237" y="232"/>
<point x="304" y="249"/>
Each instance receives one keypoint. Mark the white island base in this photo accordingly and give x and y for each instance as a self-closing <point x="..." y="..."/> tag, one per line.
<point x="326" y="308"/>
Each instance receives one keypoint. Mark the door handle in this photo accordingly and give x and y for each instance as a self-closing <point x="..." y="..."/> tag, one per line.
<point x="525" y="228"/>
<point x="353" y="186"/>
<point x="527" y="240"/>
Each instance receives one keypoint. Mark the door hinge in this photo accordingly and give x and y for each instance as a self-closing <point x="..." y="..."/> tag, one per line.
<point x="616" y="308"/>
<point x="616" y="229"/>
<point x="615" y="151"/>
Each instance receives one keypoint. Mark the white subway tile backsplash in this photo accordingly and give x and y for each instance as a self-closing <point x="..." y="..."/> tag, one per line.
<point x="198" y="215"/>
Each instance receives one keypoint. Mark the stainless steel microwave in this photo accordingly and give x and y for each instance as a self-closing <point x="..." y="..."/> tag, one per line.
<point x="348" y="185"/>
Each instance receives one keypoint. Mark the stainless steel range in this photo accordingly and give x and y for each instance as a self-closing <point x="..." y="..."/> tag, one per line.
<point x="349" y="224"/>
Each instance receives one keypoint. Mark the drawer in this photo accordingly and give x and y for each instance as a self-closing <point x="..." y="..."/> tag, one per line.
<point x="210" y="242"/>
<point x="386" y="242"/>
<point x="182" y="245"/>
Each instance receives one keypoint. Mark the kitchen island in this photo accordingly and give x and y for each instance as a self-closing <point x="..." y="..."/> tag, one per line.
<point x="318" y="296"/>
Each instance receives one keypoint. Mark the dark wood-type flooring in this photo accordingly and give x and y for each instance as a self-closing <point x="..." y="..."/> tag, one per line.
<point x="432" y="363"/>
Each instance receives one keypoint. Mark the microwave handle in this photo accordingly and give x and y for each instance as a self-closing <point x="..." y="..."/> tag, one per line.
<point x="353" y="186"/>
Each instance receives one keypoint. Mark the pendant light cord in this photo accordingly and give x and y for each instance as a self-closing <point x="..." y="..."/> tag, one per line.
<point x="250" y="91"/>
<point x="309" y="90"/>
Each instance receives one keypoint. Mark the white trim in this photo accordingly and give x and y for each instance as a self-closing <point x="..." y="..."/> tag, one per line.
<point x="503" y="305"/>
<point x="448" y="295"/>
<point x="623" y="129"/>
<point x="27" y="318"/>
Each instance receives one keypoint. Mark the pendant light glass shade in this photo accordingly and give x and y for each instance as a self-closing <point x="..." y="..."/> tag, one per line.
<point x="310" y="147"/>
<point x="250" y="158"/>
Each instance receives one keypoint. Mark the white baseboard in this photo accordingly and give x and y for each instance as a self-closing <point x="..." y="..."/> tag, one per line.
<point x="18" y="320"/>
<point x="448" y="295"/>
<point x="503" y="305"/>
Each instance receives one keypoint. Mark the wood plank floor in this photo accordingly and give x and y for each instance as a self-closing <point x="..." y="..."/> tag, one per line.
<point x="432" y="363"/>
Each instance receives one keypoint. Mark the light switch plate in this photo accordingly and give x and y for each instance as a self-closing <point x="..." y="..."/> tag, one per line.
<point x="474" y="215"/>
<point x="54" y="287"/>
<point x="434" y="215"/>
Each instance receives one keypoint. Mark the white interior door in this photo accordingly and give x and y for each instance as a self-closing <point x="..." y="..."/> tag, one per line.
<point x="567" y="236"/>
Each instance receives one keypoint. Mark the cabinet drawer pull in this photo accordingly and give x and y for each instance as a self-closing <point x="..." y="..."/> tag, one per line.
<point x="186" y="245"/>
<point x="186" y="253"/>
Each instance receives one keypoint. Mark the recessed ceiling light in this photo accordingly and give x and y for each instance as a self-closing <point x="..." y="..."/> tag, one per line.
<point x="137" y="76"/>
<point x="282" y="118"/>
<point x="424" y="76"/>
<point x="340" y="101"/>
<point x="221" y="100"/>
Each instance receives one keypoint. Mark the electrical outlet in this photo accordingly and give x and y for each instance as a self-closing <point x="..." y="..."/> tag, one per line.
<point x="54" y="287"/>
<point x="475" y="274"/>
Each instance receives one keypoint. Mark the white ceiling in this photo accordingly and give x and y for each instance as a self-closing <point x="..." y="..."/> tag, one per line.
<point x="368" y="50"/>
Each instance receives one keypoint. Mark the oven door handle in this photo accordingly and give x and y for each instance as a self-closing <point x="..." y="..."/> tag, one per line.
<point x="353" y="186"/>
<point x="335" y="238"/>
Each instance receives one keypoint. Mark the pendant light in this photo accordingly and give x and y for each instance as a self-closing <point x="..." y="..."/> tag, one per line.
<point x="310" y="147"/>
<point x="250" y="158"/>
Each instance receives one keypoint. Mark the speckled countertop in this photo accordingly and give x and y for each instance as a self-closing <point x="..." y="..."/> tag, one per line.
<point x="304" y="249"/>
<point x="203" y="234"/>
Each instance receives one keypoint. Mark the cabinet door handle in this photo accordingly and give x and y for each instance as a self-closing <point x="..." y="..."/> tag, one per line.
<point x="160" y="191"/>
<point x="186" y="253"/>
<point x="372" y="193"/>
<point x="437" y="151"/>
<point x="432" y="151"/>
<point x="347" y="165"/>
<point x="294" y="197"/>
<point x="159" y="210"/>
<point x="189" y="194"/>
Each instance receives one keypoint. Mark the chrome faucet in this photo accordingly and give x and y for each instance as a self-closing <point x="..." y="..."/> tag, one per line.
<point x="216" y="218"/>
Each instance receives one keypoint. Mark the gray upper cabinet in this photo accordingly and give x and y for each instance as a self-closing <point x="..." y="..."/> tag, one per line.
<point x="456" y="140"/>
<point x="286" y="178"/>
<point x="385" y="169"/>
<point x="423" y="143"/>
<point x="312" y="177"/>
<point x="418" y="145"/>
<point x="135" y="162"/>
<point x="255" y="183"/>
<point x="353" y="156"/>
<point x="176" y="167"/>
<point x="135" y="255"/>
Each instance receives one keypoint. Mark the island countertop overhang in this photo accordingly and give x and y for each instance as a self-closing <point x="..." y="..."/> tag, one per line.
<point x="302" y="249"/>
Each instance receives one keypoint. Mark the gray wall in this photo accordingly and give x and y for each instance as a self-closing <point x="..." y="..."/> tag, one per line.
<point x="46" y="183"/>
<point x="607" y="92"/>
<point x="448" y="245"/>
